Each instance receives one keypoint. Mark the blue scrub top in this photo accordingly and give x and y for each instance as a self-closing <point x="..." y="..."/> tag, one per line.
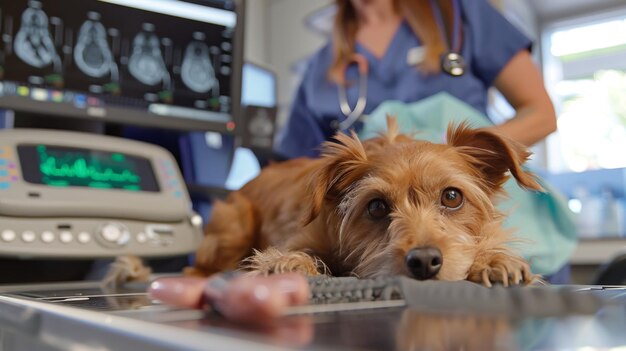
<point x="489" y="42"/>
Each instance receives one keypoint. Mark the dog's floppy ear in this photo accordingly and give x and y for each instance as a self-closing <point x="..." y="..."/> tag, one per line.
<point x="343" y="162"/>
<point x="493" y="155"/>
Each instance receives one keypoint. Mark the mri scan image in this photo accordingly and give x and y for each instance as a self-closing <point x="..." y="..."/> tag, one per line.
<point x="92" y="53"/>
<point x="33" y="42"/>
<point x="197" y="70"/>
<point x="146" y="61"/>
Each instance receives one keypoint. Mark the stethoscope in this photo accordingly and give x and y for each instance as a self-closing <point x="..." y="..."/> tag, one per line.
<point x="451" y="62"/>
<point x="353" y="114"/>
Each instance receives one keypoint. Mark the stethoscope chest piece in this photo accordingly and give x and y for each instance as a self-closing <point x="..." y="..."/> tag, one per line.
<point x="453" y="64"/>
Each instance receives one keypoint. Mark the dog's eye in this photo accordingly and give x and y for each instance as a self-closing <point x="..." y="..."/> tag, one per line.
<point x="452" y="198"/>
<point x="377" y="209"/>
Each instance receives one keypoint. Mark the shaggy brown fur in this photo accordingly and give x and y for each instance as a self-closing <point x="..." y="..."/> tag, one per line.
<point x="363" y="207"/>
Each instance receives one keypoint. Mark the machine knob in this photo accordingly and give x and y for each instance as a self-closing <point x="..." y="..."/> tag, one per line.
<point x="196" y="220"/>
<point x="113" y="234"/>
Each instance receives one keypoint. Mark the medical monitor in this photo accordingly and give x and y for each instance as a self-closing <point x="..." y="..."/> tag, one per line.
<point x="81" y="195"/>
<point x="158" y="63"/>
<point x="259" y="86"/>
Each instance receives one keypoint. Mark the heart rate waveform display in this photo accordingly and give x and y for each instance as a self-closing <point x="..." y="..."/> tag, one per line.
<point x="64" y="167"/>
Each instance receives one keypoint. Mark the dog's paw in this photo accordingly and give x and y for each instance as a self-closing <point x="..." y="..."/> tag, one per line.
<point x="273" y="261"/>
<point x="126" y="269"/>
<point x="502" y="269"/>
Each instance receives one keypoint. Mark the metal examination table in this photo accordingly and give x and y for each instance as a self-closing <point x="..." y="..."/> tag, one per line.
<point x="85" y="316"/>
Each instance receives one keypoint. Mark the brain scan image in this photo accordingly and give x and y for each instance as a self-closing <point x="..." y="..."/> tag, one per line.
<point x="146" y="61"/>
<point x="33" y="42"/>
<point x="92" y="53"/>
<point x="197" y="71"/>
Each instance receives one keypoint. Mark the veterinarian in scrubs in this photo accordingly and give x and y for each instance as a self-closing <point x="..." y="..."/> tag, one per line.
<point x="396" y="50"/>
<point x="494" y="51"/>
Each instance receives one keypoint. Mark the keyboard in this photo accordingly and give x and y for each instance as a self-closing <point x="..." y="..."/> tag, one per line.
<point x="330" y="294"/>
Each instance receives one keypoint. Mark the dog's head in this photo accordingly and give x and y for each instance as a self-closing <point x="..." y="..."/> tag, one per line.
<point x="404" y="206"/>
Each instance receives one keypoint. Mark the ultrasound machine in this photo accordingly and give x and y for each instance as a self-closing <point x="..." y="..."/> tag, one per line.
<point x="112" y="110"/>
<point x="121" y="121"/>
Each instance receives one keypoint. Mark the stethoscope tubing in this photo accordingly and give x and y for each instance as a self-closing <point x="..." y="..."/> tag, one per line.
<point x="455" y="45"/>
<point x="353" y="114"/>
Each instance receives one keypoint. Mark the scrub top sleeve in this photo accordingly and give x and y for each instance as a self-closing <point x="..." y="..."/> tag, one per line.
<point x="493" y="39"/>
<point x="301" y="135"/>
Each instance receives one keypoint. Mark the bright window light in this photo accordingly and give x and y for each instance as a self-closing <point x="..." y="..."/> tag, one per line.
<point x="588" y="38"/>
<point x="585" y="73"/>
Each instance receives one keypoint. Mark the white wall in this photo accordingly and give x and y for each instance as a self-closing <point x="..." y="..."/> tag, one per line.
<point x="277" y="37"/>
<point x="255" y="33"/>
<point x="290" y="41"/>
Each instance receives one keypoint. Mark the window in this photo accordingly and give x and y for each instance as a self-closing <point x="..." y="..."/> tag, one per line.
<point x="585" y="73"/>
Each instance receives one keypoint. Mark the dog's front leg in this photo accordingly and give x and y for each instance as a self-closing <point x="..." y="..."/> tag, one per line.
<point x="273" y="261"/>
<point x="500" y="265"/>
<point x="126" y="269"/>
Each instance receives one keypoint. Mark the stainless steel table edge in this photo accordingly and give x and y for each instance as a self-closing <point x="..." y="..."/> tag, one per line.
<point x="67" y="327"/>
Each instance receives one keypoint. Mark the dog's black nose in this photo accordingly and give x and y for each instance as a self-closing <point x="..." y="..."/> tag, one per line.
<point x="424" y="263"/>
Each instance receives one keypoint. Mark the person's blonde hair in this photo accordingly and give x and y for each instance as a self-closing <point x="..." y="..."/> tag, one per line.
<point x="419" y="16"/>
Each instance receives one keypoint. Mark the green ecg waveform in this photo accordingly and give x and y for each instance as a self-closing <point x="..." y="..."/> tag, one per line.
<point x="78" y="168"/>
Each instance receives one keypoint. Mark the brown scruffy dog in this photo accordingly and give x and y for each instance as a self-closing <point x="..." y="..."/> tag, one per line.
<point x="387" y="206"/>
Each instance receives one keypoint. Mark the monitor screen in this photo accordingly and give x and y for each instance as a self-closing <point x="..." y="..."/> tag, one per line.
<point x="162" y="63"/>
<point x="258" y="86"/>
<point x="66" y="166"/>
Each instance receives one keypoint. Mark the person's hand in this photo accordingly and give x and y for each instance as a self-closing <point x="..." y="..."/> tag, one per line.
<point x="240" y="298"/>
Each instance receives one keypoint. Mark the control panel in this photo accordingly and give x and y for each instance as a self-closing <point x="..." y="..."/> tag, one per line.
<point x="79" y="195"/>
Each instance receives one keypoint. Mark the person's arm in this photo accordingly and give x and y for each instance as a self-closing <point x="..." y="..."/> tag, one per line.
<point x="501" y="58"/>
<point x="522" y="85"/>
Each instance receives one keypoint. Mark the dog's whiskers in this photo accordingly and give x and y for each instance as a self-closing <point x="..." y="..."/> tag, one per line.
<point x="363" y="248"/>
<point x="369" y="255"/>
<point x="367" y="268"/>
<point x="346" y="210"/>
